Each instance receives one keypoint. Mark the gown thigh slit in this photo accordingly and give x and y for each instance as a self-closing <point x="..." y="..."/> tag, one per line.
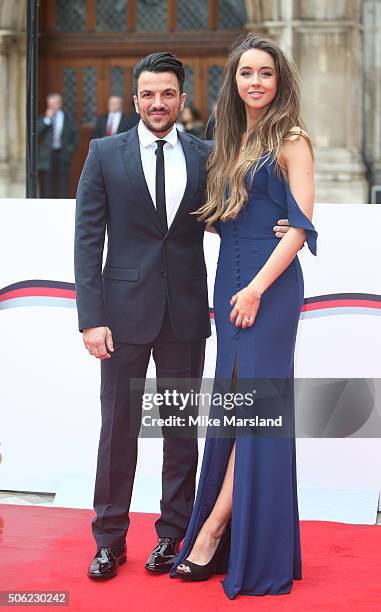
<point x="264" y="555"/>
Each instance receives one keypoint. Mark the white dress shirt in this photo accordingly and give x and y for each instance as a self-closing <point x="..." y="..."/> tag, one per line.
<point x="174" y="167"/>
<point x="57" y="131"/>
<point x="114" y="119"/>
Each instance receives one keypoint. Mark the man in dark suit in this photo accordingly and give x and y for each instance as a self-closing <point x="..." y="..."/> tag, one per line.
<point x="151" y="298"/>
<point x="58" y="137"/>
<point x="114" y="121"/>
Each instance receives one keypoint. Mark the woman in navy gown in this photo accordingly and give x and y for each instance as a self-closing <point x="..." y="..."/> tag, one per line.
<point x="245" y="519"/>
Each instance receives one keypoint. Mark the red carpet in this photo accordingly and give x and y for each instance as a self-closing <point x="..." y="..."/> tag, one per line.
<point x="50" y="548"/>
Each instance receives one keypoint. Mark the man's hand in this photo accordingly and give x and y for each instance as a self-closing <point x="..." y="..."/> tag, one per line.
<point x="98" y="340"/>
<point x="49" y="113"/>
<point x="282" y="228"/>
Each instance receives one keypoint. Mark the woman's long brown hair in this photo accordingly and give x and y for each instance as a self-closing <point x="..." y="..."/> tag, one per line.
<point x="226" y="191"/>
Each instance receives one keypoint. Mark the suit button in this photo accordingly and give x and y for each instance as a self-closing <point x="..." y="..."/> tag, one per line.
<point x="163" y="273"/>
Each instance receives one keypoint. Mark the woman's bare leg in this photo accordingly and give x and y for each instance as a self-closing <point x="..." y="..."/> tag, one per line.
<point x="210" y="534"/>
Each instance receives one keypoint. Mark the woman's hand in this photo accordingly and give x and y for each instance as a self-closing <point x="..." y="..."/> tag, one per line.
<point x="246" y="304"/>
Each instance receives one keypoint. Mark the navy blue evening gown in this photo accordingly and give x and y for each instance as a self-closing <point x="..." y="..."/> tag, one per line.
<point x="264" y="554"/>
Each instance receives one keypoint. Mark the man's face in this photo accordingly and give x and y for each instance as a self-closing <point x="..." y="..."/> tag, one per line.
<point x="54" y="103"/>
<point x="158" y="101"/>
<point x="114" y="104"/>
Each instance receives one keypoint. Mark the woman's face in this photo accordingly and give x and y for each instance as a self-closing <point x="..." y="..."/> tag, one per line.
<point x="256" y="79"/>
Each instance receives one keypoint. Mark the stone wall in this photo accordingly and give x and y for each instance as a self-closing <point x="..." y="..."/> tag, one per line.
<point x="12" y="97"/>
<point x="337" y="46"/>
<point x="325" y="39"/>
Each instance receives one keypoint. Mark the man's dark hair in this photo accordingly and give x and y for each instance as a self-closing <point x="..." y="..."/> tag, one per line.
<point x="160" y="62"/>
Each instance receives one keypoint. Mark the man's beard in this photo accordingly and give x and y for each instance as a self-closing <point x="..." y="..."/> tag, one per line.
<point x="164" y="128"/>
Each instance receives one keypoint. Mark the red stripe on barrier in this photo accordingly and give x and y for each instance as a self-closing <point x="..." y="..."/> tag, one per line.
<point x="340" y="304"/>
<point x="70" y="294"/>
<point x="38" y="292"/>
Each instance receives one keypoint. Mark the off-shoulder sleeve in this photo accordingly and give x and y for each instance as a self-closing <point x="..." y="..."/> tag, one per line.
<point x="297" y="218"/>
<point x="280" y="193"/>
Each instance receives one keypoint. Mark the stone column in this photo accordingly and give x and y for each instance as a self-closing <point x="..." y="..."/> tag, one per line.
<point x="12" y="114"/>
<point x="12" y="97"/>
<point x="4" y="135"/>
<point x="372" y="88"/>
<point x="324" y="39"/>
<point x="17" y="112"/>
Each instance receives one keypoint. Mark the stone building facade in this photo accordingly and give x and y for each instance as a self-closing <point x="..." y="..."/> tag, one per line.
<point x="337" y="47"/>
<point x="12" y="97"/>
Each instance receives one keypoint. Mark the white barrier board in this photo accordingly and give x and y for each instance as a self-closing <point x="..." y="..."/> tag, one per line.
<point x="49" y="413"/>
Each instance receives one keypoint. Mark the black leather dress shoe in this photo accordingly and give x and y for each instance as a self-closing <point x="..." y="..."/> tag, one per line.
<point x="105" y="563"/>
<point x="162" y="556"/>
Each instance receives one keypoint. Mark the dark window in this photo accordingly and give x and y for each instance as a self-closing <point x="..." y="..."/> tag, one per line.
<point x="118" y="81"/>
<point x="151" y="15"/>
<point x="70" y="16"/>
<point x="89" y="95"/>
<point x="111" y="16"/>
<point x="192" y="15"/>
<point x="231" y="14"/>
<point x="189" y="83"/>
<point x="70" y="90"/>
<point x="214" y="83"/>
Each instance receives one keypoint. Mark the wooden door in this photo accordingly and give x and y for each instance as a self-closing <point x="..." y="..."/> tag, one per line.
<point x="88" y="49"/>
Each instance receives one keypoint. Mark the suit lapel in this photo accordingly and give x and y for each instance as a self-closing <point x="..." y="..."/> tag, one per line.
<point x="130" y="151"/>
<point x="192" y="161"/>
<point x="121" y="124"/>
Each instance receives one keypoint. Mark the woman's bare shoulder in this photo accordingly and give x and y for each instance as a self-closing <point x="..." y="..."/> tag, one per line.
<point x="295" y="134"/>
<point x="296" y="148"/>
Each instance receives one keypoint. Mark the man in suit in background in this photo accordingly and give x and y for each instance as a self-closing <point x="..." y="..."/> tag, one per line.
<point x="114" y="121"/>
<point x="58" y="137"/>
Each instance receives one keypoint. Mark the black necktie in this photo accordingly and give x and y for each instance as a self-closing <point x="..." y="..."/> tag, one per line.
<point x="160" y="185"/>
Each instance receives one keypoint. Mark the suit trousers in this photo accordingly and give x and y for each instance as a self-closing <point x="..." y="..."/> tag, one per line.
<point x="118" y="443"/>
<point x="55" y="183"/>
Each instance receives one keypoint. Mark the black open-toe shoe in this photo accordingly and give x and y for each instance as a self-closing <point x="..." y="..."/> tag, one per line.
<point x="197" y="573"/>
<point x="216" y="565"/>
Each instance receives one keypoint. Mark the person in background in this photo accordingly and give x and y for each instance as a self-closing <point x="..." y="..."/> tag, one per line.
<point x="58" y="138"/>
<point x="192" y="122"/>
<point x="114" y="121"/>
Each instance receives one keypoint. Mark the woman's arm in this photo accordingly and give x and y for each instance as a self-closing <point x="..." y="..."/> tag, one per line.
<point x="298" y="160"/>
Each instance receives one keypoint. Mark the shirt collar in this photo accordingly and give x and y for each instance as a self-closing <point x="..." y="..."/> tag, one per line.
<point x="147" y="138"/>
